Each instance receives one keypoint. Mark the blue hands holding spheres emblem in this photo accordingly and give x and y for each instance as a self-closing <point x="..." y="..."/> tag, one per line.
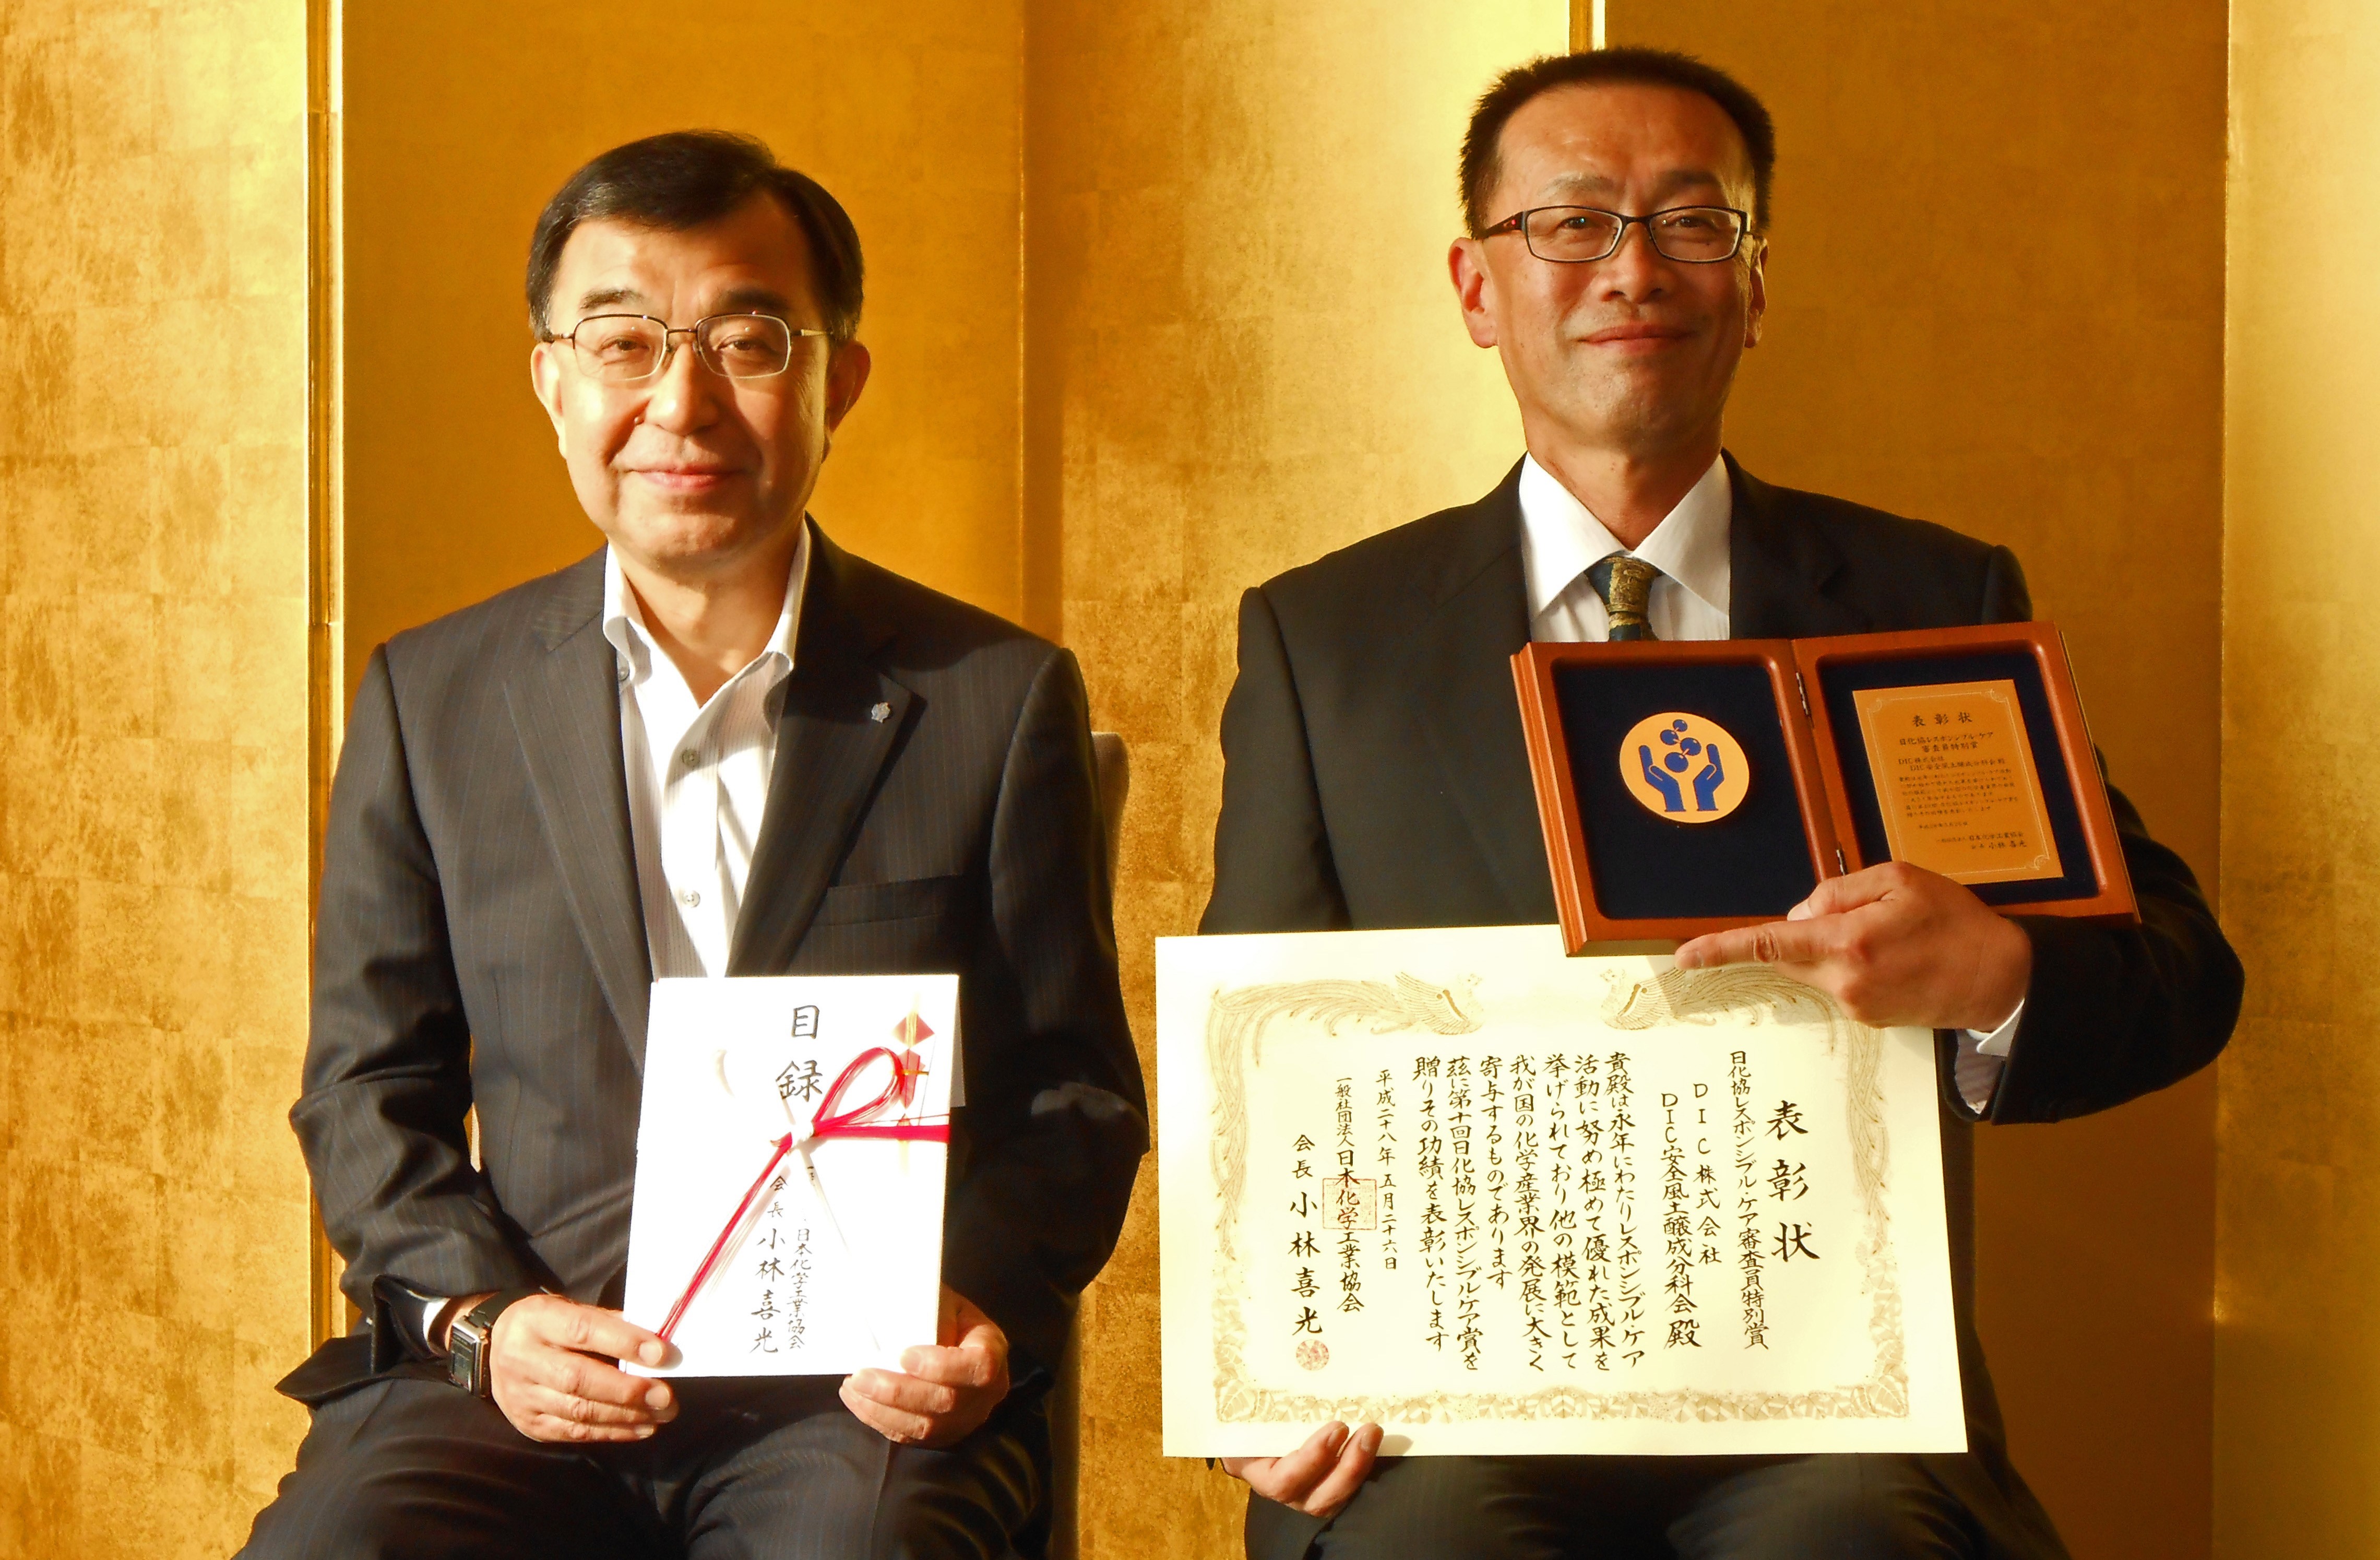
<point x="1688" y="780"/>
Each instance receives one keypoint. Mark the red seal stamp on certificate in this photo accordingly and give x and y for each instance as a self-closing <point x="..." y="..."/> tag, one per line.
<point x="1313" y="1353"/>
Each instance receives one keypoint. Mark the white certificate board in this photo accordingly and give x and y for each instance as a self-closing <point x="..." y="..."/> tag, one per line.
<point x="836" y="1261"/>
<point x="1503" y="1201"/>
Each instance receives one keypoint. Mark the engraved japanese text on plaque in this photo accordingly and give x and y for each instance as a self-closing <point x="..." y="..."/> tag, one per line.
<point x="1956" y="782"/>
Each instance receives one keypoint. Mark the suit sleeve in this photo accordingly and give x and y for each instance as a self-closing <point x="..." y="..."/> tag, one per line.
<point x="2006" y="599"/>
<point x="1273" y="867"/>
<point x="2114" y="1012"/>
<point x="1056" y="1119"/>
<point x="388" y="1076"/>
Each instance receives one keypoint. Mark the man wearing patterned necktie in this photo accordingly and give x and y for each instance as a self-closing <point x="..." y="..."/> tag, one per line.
<point x="1376" y="777"/>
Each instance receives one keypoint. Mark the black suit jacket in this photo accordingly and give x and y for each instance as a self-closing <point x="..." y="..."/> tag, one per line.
<point x="479" y="941"/>
<point x="1375" y="776"/>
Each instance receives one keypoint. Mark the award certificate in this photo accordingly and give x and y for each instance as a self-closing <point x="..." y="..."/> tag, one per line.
<point x="790" y="1161"/>
<point x="1500" y="1200"/>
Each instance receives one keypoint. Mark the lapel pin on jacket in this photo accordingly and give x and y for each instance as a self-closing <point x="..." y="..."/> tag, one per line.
<point x="880" y="713"/>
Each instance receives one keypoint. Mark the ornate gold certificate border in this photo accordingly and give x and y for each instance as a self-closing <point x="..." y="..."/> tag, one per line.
<point x="1235" y="1029"/>
<point x="325" y="670"/>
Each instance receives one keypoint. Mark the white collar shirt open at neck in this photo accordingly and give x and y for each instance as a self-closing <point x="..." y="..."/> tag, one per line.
<point x="697" y="776"/>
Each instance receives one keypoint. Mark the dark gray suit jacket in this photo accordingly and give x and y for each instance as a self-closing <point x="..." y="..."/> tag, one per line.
<point x="1375" y="776"/>
<point x="479" y="941"/>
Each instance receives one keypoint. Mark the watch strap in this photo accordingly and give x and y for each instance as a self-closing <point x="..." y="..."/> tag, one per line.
<point x="483" y="1315"/>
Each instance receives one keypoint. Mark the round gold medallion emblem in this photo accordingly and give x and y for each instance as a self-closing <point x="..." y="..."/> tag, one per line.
<point x="1685" y="768"/>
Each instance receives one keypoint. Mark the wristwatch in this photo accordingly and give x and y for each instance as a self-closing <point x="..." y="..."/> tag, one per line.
<point x="468" y="1338"/>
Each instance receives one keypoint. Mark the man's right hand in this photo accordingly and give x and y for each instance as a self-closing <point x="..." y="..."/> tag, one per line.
<point x="550" y="1365"/>
<point x="1319" y="1477"/>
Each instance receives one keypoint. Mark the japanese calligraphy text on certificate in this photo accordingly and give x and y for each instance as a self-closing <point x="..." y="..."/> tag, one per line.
<point x="1500" y="1200"/>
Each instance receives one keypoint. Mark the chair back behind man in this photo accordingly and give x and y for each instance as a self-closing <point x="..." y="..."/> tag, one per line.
<point x="1113" y="762"/>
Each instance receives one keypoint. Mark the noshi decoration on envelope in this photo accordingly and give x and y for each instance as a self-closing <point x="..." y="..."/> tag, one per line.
<point x="792" y="1154"/>
<point x="1685" y="768"/>
<point x="798" y="1133"/>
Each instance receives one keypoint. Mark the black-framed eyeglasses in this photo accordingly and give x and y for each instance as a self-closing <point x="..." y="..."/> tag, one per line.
<point x="624" y="348"/>
<point x="1577" y="235"/>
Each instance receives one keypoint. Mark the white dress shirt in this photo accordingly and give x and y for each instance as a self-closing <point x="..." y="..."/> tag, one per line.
<point x="1561" y="540"/>
<point x="697" y="776"/>
<point x="698" y="782"/>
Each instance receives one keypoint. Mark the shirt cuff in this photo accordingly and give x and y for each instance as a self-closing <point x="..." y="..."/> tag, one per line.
<point x="429" y="1309"/>
<point x="1982" y="1057"/>
<point x="1996" y="1043"/>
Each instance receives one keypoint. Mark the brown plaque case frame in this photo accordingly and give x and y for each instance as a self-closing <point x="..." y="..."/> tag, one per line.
<point x="1794" y="668"/>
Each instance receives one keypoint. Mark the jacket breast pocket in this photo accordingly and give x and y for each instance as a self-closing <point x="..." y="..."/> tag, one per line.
<point x="920" y="926"/>
<point x="853" y="904"/>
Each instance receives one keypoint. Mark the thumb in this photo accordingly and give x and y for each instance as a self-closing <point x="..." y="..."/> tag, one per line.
<point x="952" y="1320"/>
<point x="977" y="1330"/>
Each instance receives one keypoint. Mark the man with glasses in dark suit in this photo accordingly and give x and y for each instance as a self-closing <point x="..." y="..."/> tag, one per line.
<point x="1376" y="777"/>
<point x="718" y="746"/>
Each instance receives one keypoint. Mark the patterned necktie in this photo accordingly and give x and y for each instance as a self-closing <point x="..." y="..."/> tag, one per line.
<point x="1625" y="584"/>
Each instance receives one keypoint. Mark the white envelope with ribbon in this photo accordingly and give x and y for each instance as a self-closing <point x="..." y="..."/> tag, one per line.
<point x="790" y="1164"/>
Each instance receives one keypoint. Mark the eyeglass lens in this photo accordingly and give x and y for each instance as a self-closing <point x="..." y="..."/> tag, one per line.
<point x="619" y="348"/>
<point x="1581" y="232"/>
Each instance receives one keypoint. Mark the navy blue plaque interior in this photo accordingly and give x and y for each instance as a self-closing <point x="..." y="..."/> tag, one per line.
<point x="1839" y="680"/>
<point x="1755" y="861"/>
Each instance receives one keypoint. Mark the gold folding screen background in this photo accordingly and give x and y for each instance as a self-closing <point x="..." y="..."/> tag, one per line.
<point x="2296" y="1370"/>
<point x="1144" y="359"/>
<point x="153" y="769"/>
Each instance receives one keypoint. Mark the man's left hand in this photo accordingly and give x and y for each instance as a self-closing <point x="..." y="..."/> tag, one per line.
<point x="941" y="1391"/>
<point x="1894" y="944"/>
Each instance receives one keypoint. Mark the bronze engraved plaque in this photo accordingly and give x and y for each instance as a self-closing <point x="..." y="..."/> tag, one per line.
<point x="1956" y="781"/>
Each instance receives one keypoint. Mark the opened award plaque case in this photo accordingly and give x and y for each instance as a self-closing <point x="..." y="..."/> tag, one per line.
<point x="1690" y="787"/>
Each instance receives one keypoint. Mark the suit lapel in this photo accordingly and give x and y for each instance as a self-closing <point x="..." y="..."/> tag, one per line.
<point x="565" y="710"/>
<point x="1780" y="568"/>
<point x="1475" y="620"/>
<point x="843" y="718"/>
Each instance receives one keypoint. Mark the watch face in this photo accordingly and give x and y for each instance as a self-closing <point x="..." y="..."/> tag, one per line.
<point x="463" y="1364"/>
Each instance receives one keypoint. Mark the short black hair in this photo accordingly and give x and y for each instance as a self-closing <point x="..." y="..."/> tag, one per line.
<point x="684" y="179"/>
<point x="1658" y="68"/>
